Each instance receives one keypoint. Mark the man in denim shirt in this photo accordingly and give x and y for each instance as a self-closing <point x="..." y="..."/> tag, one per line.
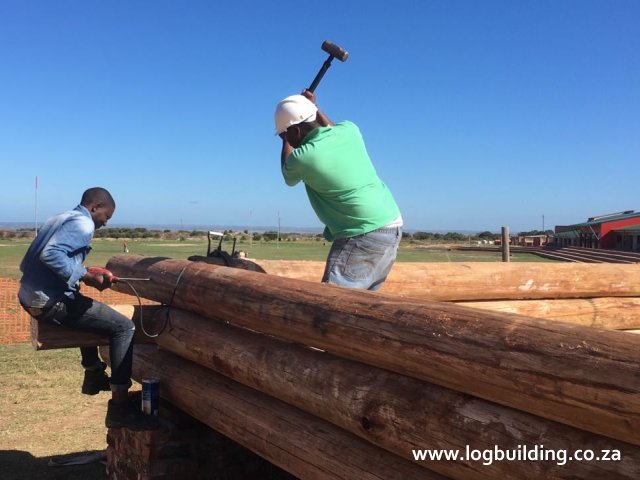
<point x="50" y="292"/>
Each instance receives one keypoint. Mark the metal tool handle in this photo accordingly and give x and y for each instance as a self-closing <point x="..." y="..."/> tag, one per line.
<point x="323" y="70"/>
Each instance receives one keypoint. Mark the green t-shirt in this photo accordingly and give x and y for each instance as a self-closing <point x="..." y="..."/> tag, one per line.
<point x="342" y="184"/>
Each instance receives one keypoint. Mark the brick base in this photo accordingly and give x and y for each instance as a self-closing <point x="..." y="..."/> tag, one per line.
<point x="183" y="448"/>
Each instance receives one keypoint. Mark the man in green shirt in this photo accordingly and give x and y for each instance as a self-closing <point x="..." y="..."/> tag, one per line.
<point x="358" y="210"/>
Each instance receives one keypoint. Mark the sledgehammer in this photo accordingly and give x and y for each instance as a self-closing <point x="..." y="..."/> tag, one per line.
<point x="334" y="51"/>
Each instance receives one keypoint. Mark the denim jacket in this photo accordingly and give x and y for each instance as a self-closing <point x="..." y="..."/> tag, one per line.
<point x="52" y="266"/>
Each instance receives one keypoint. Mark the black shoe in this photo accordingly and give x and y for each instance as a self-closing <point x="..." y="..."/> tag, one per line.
<point x="126" y="415"/>
<point x="96" y="381"/>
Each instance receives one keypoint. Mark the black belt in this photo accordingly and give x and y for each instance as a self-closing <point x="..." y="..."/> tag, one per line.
<point x="38" y="312"/>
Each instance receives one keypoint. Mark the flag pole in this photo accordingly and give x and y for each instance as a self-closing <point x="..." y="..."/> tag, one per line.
<point x="36" y="209"/>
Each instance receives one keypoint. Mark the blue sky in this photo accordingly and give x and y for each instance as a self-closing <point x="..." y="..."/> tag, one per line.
<point x="475" y="114"/>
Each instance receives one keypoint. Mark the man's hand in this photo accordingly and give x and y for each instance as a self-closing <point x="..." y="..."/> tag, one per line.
<point x="309" y="95"/>
<point x="99" y="278"/>
<point x="320" y="116"/>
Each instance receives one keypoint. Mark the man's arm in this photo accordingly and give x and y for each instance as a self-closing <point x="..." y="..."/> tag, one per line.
<point x="286" y="149"/>
<point x="321" y="118"/>
<point x="72" y="237"/>
<point x="60" y="253"/>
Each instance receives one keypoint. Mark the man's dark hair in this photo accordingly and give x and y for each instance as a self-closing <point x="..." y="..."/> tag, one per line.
<point x="97" y="196"/>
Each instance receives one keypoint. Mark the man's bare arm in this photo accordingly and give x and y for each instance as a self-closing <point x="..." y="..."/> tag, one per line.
<point x="286" y="149"/>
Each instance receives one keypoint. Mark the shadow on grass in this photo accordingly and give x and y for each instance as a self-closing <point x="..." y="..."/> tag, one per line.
<point x="20" y="465"/>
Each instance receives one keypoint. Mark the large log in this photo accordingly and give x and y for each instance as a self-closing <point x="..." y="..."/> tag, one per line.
<point x="617" y="313"/>
<point x="395" y="412"/>
<point x="297" y="442"/>
<point x="487" y="280"/>
<point x="46" y="337"/>
<point x="415" y="280"/>
<point x="584" y="377"/>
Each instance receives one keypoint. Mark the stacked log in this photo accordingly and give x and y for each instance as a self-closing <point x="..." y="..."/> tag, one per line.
<point x="604" y="296"/>
<point x="579" y="376"/>
<point x="401" y="373"/>
<point x="299" y="443"/>
<point x="476" y="370"/>
<point x="457" y="281"/>
<point x="397" y="413"/>
<point x="616" y="313"/>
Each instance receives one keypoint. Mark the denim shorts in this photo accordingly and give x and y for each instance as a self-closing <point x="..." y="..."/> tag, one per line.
<point x="363" y="261"/>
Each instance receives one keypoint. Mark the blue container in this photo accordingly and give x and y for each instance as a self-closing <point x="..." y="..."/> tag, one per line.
<point x="150" y="396"/>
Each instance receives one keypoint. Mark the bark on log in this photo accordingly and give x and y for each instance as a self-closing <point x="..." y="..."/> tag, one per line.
<point x="579" y="376"/>
<point x="616" y="313"/>
<point x="47" y="337"/>
<point x="395" y="412"/>
<point x="297" y="442"/>
<point x="487" y="281"/>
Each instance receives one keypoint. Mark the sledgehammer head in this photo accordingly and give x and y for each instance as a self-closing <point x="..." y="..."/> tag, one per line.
<point x="335" y="51"/>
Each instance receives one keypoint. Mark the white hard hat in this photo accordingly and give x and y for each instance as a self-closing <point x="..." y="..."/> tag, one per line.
<point x="293" y="110"/>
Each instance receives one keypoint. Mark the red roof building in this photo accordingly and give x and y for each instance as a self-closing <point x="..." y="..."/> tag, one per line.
<point x="615" y="231"/>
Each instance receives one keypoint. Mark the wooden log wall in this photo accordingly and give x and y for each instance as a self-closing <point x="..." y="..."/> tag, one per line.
<point x="304" y="445"/>
<point x="617" y="313"/>
<point x="532" y="289"/>
<point x="398" y="413"/>
<point x="455" y="281"/>
<point x="579" y="376"/>
<point x="392" y="411"/>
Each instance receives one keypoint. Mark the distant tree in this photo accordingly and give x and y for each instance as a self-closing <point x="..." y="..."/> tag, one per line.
<point x="406" y="235"/>
<point x="486" y="235"/>
<point x="423" y="236"/>
<point x="454" y="236"/>
<point x="270" y="235"/>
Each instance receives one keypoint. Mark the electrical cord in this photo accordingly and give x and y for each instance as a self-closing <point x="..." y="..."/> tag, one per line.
<point x="168" y="310"/>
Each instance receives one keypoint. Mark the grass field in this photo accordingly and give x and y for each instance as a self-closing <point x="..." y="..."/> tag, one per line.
<point x="11" y="252"/>
<point x="43" y="413"/>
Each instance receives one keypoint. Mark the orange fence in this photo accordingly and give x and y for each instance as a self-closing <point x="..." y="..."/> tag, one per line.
<point x="14" y="321"/>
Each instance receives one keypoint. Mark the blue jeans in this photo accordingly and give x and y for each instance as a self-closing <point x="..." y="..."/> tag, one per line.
<point x="87" y="315"/>
<point x="363" y="261"/>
